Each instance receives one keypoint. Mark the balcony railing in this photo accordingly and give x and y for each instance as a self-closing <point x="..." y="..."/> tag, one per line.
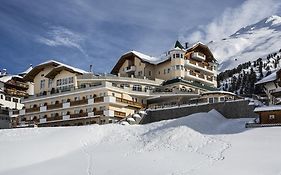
<point x="54" y="106"/>
<point x="198" y="56"/>
<point x="79" y="115"/>
<point x="130" y="69"/>
<point x="119" y="114"/>
<point x="201" y="76"/>
<point x="129" y="102"/>
<point x="34" y="109"/>
<point x="79" y="102"/>
<point x="98" y="99"/>
<point x="200" y="65"/>
<point x="54" y="118"/>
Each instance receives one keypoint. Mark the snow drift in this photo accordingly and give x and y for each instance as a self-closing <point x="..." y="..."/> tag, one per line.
<point x="203" y="143"/>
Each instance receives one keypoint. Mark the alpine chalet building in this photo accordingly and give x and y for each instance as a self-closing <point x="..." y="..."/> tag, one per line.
<point x="67" y="96"/>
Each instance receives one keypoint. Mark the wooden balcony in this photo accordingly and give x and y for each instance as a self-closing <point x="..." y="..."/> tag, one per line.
<point x="34" y="109"/>
<point x="201" y="76"/>
<point x="119" y="114"/>
<point x="201" y="65"/>
<point x="209" y="78"/>
<point x="54" y="118"/>
<point x="98" y="112"/>
<point x="210" y="68"/>
<point x="192" y="62"/>
<point x="98" y="99"/>
<point x="129" y="102"/>
<point x="192" y="73"/>
<point x="54" y="106"/>
<point x="79" y="102"/>
<point x="79" y="115"/>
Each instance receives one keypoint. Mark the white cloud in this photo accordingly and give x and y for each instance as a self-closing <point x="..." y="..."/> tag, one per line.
<point x="233" y="19"/>
<point x="61" y="36"/>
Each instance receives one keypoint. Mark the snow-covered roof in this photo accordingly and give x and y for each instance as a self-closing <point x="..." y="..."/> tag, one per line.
<point x="65" y="65"/>
<point x="268" y="108"/>
<point x="269" y="78"/>
<point x="147" y="58"/>
<point x="218" y="92"/>
<point x="26" y="71"/>
<point x="6" y="78"/>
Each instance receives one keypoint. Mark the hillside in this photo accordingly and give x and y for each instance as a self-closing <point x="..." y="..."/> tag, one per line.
<point x="248" y="43"/>
<point x="204" y="143"/>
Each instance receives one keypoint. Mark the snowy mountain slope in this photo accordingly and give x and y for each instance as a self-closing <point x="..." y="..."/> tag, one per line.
<point x="203" y="143"/>
<point x="248" y="43"/>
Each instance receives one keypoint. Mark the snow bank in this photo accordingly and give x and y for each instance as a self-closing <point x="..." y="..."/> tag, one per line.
<point x="203" y="143"/>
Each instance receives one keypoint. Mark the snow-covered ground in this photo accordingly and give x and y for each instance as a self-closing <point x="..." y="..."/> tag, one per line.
<point x="204" y="143"/>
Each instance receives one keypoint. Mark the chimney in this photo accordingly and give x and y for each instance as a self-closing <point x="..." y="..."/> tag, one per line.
<point x="91" y="68"/>
<point x="186" y="45"/>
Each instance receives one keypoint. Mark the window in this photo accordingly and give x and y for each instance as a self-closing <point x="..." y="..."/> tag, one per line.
<point x="177" y="67"/>
<point x="42" y="84"/>
<point x="8" y="98"/>
<point x="222" y="99"/>
<point x="211" y="100"/>
<point x="164" y="71"/>
<point x="177" y="55"/>
<point x="168" y="71"/>
<point x="271" y="117"/>
<point x="59" y="82"/>
<point x="181" y="55"/>
<point x="149" y="73"/>
<point x="137" y="88"/>
<point x="216" y="99"/>
<point x="174" y="56"/>
<point x="15" y="100"/>
<point x="50" y="83"/>
<point x="1" y="96"/>
<point x="140" y="73"/>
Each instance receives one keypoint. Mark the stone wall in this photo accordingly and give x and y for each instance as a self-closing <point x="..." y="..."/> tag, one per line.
<point x="231" y="110"/>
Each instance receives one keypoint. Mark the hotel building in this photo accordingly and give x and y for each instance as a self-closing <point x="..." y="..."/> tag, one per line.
<point x="65" y="95"/>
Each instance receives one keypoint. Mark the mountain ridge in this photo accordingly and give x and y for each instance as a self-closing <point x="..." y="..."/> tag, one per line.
<point x="248" y="43"/>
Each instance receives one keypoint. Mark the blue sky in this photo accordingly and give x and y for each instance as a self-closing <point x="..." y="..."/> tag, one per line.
<point x="98" y="32"/>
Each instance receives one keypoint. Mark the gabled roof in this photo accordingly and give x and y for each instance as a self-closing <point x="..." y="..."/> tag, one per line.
<point x="26" y="71"/>
<point x="268" y="108"/>
<point x="270" y="78"/>
<point x="201" y="47"/>
<point x="30" y="75"/>
<point x="7" y="78"/>
<point x="143" y="57"/>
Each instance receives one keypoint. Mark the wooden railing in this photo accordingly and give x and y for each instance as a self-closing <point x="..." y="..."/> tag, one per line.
<point x="54" y="106"/>
<point x="34" y="109"/>
<point x="119" y="114"/>
<point x="209" y="78"/>
<point x="78" y="115"/>
<point x="201" y="76"/>
<point x="98" y="99"/>
<point x="79" y="102"/>
<point x="98" y="112"/>
<point x="129" y="102"/>
<point x="54" y="118"/>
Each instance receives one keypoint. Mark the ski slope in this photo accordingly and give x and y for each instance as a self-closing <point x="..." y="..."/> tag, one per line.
<point x="203" y="143"/>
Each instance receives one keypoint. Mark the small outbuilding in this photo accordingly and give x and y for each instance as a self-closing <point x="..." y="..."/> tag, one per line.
<point x="269" y="114"/>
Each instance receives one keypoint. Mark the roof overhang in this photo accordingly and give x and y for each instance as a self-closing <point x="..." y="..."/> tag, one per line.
<point x="52" y="74"/>
<point x="30" y="75"/>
